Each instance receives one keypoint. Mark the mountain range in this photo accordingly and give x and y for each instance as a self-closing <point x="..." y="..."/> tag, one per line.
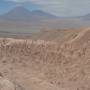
<point x="23" y="14"/>
<point x="21" y="20"/>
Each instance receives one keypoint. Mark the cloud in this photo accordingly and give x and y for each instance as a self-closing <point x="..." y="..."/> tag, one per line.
<point x="61" y="7"/>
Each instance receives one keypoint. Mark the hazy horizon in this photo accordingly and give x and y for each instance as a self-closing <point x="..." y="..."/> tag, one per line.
<point x="15" y="15"/>
<point x="57" y="7"/>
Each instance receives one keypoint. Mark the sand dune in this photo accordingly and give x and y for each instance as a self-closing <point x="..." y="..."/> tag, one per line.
<point x="56" y="60"/>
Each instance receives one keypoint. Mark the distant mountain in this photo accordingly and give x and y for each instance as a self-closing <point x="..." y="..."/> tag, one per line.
<point x="85" y="17"/>
<point x="22" y="14"/>
<point x="42" y="14"/>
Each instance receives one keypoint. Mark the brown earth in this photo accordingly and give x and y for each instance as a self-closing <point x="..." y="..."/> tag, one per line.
<point x="50" y="60"/>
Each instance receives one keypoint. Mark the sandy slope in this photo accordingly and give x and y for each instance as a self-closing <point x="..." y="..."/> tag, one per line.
<point x="56" y="35"/>
<point x="47" y="64"/>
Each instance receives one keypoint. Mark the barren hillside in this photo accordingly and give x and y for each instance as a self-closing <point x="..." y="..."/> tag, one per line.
<point x="56" y="35"/>
<point x="53" y="60"/>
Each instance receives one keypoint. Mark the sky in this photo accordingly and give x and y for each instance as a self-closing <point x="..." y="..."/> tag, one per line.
<point x="56" y="7"/>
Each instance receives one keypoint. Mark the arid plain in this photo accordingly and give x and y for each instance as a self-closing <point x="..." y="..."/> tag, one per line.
<point x="47" y="60"/>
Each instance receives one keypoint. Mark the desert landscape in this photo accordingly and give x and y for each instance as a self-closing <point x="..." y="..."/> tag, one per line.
<point x="44" y="45"/>
<point x="57" y="60"/>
